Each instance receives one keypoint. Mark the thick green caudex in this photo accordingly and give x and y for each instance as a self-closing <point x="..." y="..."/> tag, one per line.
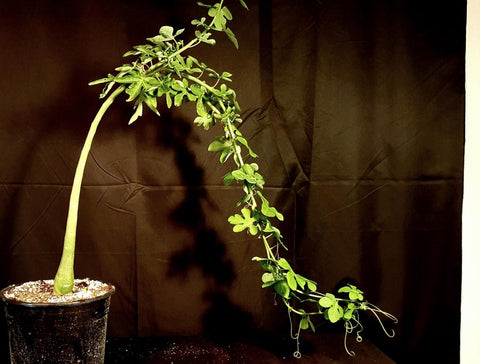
<point x="64" y="278"/>
<point x="161" y="69"/>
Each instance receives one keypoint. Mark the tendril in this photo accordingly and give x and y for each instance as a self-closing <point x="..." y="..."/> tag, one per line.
<point x="292" y="335"/>
<point x="359" y="337"/>
<point x="375" y="310"/>
<point x="386" y="314"/>
<point x="348" y="330"/>
<point x="297" y="354"/>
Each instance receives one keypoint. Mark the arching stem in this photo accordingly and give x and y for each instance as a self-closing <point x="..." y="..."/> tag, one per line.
<point x="64" y="278"/>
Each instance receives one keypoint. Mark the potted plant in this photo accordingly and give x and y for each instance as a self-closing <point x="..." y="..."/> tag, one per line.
<point x="163" y="69"/>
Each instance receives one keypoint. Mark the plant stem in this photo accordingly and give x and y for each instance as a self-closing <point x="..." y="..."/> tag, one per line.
<point x="64" y="278"/>
<point x="201" y="83"/>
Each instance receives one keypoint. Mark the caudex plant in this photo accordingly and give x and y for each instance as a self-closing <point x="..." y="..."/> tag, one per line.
<point x="162" y="69"/>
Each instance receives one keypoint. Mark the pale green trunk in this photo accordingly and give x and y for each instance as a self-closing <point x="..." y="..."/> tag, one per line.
<point x="64" y="278"/>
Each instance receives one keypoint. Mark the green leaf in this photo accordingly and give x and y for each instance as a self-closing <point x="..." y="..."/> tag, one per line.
<point x="106" y="89"/>
<point x="244" y="221"/>
<point x="131" y="53"/>
<point x="349" y="312"/>
<point x="282" y="262"/>
<point x="268" y="284"/>
<point x="179" y="99"/>
<point x="327" y="301"/>
<point x="209" y="41"/>
<point x="312" y="286"/>
<point x="244" y="200"/>
<point x="134" y="90"/>
<point x="203" y="5"/>
<point x="268" y="280"/>
<point x="191" y="97"/>
<point x="125" y="68"/>
<point x="267" y="210"/>
<point x="243" y="4"/>
<point x="129" y="79"/>
<point x="223" y="145"/>
<point x="226" y="76"/>
<point x="219" y="144"/>
<point x="304" y="322"/>
<point x="214" y="74"/>
<point x="198" y="91"/>
<point x="353" y="292"/>
<point x="158" y="39"/>
<point x="228" y="179"/>
<point x="232" y="37"/>
<point x="282" y="288"/>
<point x="166" y="32"/>
<point x="226" y="13"/>
<point x="335" y="312"/>
<point x="248" y="173"/>
<point x="265" y="263"/>
<point x="292" y="283"/>
<point x="205" y="121"/>
<point x="225" y="154"/>
<point x="239" y="227"/>
<point x="239" y="174"/>
<point x="204" y="37"/>
<point x="267" y="277"/>
<point x="137" y="113"/>
<point x="259" y="181"/>
<point x="253" y="229"/>
<point x="152" y="104"/>
<point x="201" y="110"/>
<point x="301" y="280"/>
<point x="168" y="98"/>
<point x="219" y="20"/>
<point x="312" y="326"/>
<point x="244" y="142"/>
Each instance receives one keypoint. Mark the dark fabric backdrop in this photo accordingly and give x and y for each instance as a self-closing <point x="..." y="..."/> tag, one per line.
<point x="356" y="109"/>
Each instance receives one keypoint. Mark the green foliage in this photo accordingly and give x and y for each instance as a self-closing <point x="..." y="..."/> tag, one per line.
<point x="353" y="292"/>
<point x="161" y="69"/>
<point x="334" y="310"/>
<point x="243" y="221"/>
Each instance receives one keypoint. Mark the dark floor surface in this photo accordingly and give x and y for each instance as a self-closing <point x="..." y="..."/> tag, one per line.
<point x="324" y="348"/>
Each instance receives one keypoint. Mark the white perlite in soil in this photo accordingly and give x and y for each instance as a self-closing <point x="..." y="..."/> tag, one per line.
<point x="42" y="291"/>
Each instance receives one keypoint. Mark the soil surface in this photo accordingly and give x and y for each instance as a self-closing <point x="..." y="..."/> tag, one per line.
<point x="41" y="291"/>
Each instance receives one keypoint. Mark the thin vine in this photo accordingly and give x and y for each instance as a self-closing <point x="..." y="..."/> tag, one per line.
<point x="163" y="70"/>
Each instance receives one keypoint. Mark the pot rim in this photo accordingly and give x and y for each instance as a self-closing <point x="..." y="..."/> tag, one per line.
<point x="13" y="301"/>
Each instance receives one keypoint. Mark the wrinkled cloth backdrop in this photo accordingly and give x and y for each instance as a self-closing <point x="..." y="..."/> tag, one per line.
<point x="356" y="109"/>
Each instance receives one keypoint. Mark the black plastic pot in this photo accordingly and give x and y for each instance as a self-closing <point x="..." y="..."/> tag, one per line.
<point x="57" y="332"/>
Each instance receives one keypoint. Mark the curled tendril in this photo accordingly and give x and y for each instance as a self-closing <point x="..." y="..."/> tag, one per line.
<point x="348" y="329"/>
<point x="292" y="335"/>
<point x="297" y="354"/>
<point x="359" y="337"/>
<point x="351" y="327"/>
<point x="295" y="336"/>
<point x="375" y="310"/>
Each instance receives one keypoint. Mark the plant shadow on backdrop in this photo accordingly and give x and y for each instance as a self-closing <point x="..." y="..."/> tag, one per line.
<point x="203" y="249"/>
